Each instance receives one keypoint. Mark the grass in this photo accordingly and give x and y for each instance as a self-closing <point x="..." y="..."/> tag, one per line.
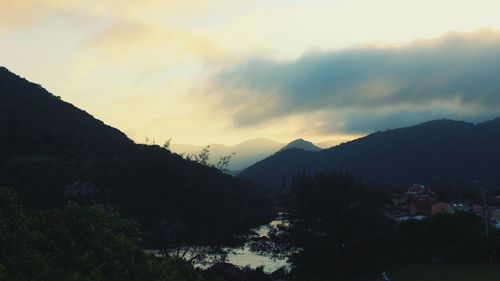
<point x="445" y="273"/>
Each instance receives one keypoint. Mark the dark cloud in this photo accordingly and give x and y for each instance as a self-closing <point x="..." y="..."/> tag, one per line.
<point x="359" y="90"/>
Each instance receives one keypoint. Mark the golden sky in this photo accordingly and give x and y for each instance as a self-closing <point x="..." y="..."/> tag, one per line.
<point x="184" y="69"/>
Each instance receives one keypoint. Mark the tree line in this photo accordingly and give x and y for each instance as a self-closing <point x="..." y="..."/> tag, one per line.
<point x="338" y="230"/>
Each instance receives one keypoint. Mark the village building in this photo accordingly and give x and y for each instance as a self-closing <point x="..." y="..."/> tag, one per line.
<point x="462" y="207"/>
<point x="441" y="208"/>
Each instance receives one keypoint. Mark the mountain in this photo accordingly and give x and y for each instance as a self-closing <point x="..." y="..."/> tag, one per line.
<point x="302" y="144"/>
<point x="440" y="152"/>
<point x="245" y="153"/>
<point x="52" y="152"/>
<point x="248" y="152"/>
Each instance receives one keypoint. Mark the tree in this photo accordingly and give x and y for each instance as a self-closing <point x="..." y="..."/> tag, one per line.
<point x="338" y="226"/>
<point x="223" y="163"/>
<point x="77" y="243"/>
<point x="167" y="143"/>
<point x="203" y="158"/>
<point x="15" y="251"/>
<point x="456" y="238"/>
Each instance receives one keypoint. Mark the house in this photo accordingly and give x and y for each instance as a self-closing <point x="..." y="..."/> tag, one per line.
<point x="441" y="208"/>
<point x="80" y="190"/>
<point x="420" y="192"/>
<point x="399" y="199"/>
<point x="416" y="189"/>
<point x="477" y="209"/>
<point x="408" y="218"/>
<point x="497" y="224"/>
<point x="495" y="213"/>
<point x="420" y="207"/>
<point x="462" y="207"/>
<point x="429" y="208"/>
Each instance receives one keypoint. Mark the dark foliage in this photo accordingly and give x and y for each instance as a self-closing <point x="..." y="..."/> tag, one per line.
<point x="77" y="243"/>
<point x="47" y="145"/>
<point x="337" y="231"/>
<point x="445" y="238"/>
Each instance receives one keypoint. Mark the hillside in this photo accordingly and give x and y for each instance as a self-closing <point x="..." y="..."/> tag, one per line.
<point x="441" y="152"/>
<point x="52" y="152"/>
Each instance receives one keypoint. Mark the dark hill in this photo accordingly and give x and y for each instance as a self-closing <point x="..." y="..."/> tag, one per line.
<point x="441" y="152"/>
<point x="49" y="147"/>
<point x="35" y="121"/>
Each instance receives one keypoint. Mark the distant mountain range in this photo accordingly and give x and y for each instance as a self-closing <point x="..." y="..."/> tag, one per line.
<point x="248" y="152"/>
<point x="440" y="152"/>
<point x="51" y="152"/>
<point x="245" y="153"/>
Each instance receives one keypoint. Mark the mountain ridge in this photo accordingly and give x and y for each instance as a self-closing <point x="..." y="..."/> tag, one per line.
<point x="48" y="147"/>
<point x="246" y="152"/>
<point x="439" y="152"/>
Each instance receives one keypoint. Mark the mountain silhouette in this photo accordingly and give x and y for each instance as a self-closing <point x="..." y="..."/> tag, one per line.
<point x="248" y="152"/>
<point x="302" y="144"/>
<point x="440" y="152"/>
<point x="49" y="150"/>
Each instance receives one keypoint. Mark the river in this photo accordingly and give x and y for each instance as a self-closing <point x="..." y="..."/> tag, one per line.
<point x="243" y="256"/>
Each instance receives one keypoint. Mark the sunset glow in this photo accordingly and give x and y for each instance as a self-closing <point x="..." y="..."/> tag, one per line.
<point x="225" y="71"/>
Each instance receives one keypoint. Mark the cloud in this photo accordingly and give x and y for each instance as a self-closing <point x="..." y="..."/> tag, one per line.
<point x="126" y="37"/>
<point x="16" y="14"/>
<point x="358" y="90"/>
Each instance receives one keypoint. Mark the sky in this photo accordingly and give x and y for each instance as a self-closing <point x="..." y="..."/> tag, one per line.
<point x="224" y="71"/>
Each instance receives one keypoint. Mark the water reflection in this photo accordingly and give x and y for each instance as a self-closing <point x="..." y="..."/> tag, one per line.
<point x="244" y="256"/>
